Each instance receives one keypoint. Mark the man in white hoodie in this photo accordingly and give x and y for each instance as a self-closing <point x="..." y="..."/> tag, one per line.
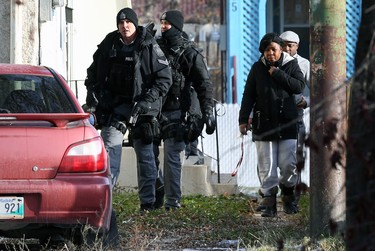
<point x="291" y="44"/>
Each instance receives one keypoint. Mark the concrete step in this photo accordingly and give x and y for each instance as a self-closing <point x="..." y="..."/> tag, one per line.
<point x="197" y="179"/>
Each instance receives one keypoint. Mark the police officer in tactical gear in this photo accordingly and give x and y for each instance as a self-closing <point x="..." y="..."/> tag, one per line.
<point x="125" y="83"/>
<point x="178" y="126"/>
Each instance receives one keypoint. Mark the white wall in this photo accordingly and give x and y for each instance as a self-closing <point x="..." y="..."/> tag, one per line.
<point x="92" y="21"/>
<point x="53" y="42"/>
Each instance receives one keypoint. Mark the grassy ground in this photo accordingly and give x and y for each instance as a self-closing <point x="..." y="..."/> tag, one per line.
<point x="227" y="222"/>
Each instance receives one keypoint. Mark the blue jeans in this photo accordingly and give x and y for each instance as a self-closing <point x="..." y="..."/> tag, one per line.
<point x="113" y="144"/>
<point x="191" y="148"/>
<point x="172" y="171"/>
<point x="146" y="170"/>
<point x="113" y="139"/>
<point x="146" y="167"/>
<point x="172" y="164"/>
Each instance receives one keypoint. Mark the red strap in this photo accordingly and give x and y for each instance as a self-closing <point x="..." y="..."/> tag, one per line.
<point x="234" y="173"/>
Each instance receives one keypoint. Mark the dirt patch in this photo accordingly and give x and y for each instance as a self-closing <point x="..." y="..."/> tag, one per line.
<point x="156" y="231"/>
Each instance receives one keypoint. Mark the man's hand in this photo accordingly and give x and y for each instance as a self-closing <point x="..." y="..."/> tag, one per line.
<point x="272" y="69"/>
<point x="246" y="127"/>
<point x="210" y="122"/>
<point x="142" y="107"/>
<point x="91" y="100"/>
<point x="302" y="103"/>
<point x="243" y="129"/>
<point x="119" y="125"/>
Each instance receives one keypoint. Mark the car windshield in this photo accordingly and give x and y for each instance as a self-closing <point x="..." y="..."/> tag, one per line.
<point x="33" y="94"/>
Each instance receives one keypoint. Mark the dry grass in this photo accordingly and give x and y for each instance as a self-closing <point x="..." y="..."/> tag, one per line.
<point x="226" y="222"/>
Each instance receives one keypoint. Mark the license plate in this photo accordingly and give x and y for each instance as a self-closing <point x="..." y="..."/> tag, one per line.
<point x="11" y="208"/>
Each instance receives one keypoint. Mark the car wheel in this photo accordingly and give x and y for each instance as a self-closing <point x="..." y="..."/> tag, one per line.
<point x="112" y="237"/>
<point x="91" y="237"/>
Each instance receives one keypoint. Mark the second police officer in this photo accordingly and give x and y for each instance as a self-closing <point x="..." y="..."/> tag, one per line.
<point x="189" y="74"/>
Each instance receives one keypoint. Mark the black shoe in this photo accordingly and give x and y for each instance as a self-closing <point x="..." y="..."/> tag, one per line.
<point x="147" y="207"/>
<point x="270" y="209"/>
<point x="263" y="203"/>
<point x="289" y="200"/>
<point x="289" y="204"/>
<point x="260" y="208"/>
<point x="290" y="208"/>
<point x="173" y="208"/>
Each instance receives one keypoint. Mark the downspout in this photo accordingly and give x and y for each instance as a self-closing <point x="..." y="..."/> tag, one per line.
<point x="16" y="31"/>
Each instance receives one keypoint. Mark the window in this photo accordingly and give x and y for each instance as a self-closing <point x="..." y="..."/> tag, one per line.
<point x="33" y="94"/>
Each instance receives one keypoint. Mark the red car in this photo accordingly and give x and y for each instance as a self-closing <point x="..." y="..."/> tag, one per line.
<point x="54" y="169"/>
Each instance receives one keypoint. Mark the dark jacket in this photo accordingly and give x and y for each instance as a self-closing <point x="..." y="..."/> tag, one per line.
<point x="152" y="75"/>
<point x="191" y="63"/>
<point x="275" y="112"/>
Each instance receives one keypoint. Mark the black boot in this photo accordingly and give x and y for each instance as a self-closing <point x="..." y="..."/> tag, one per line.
<point x="147" y="207"/>
<point x="289" y="200"/>
<point x="261" y="207"/>
<point x="159" y="198"/>
<point x="270" y="209"/>
<point x="289" y="204"/>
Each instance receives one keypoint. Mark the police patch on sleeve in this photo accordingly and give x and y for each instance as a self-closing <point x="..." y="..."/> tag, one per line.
<point x="163" y="61"/>
<point x="158" y="51"/>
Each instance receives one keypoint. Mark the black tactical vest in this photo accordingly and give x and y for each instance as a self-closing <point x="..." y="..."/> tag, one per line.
<point x="121" y="76"/>
<point x="179" y="92"/>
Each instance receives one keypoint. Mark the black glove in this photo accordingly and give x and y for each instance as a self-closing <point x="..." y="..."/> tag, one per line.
<point x="194" y="128"/>
<point x="143" y="107"/>
<point x="210" y="121"/>
<point x="91" y="100"/>
<point x="119" y="125"/>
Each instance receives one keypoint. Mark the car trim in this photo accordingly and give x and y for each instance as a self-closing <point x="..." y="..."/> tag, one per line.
<point x="59" y="120"/>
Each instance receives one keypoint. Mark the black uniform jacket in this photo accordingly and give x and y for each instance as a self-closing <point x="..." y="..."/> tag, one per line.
<point x="152" y="74"/>
<point x="271" y="99"/>
<point x="192" y="64"/>
<point x="195" y="71"/>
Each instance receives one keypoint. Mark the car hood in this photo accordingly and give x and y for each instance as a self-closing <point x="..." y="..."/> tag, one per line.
<point x="33" y="147"/>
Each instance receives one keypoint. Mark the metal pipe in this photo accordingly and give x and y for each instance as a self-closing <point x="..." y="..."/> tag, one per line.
<point x="16" y="7"/>
<point x="217" y="144"/>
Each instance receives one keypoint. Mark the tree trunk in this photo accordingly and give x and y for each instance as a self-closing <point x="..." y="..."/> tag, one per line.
<point x="328" y="121"/>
